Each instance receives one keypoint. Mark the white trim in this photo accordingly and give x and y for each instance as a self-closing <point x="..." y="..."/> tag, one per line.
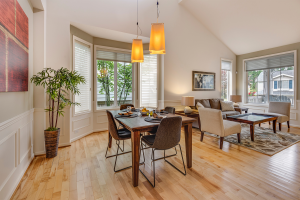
<point x="91" y="76"/>
<point x="269" y="55"/>
<point x="13" y="120"/>
<point x="81" y="136"/>
<point x="73" y="121"/>
<point x="106" y="48"/>
<point x="230" y="87"/>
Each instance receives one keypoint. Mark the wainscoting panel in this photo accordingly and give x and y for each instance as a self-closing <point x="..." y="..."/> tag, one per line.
<point x="16" y="151"/>
<point x="82" y="125"/>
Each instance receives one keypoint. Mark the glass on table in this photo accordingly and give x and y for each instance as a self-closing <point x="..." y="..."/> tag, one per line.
<point x="128" y="108"/>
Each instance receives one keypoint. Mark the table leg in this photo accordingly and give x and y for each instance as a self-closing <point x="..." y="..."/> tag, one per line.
<point x="188" y="132"/>
<point x="109" y="139"/>
<point x="135" y="147"/>
<point x="274" y="125"/>
<point x="252" y="132"/>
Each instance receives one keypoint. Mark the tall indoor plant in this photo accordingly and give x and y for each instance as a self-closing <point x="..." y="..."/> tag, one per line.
<point x="58" y="84"/>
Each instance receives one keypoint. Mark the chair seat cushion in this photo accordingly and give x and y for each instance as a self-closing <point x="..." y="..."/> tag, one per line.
<point x="231" y="127"/>
<point x="281" y="118"/>
<point x="124" y="134"/>
<point x="148" y="139"/>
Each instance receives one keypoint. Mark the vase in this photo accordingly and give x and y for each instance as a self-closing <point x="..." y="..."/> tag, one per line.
<point x="51" y="142"/>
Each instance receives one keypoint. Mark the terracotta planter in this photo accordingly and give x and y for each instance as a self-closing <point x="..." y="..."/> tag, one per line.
<point x="51" y="143"/>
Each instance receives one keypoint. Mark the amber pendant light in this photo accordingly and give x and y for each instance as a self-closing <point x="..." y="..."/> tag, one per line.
<point x="157" y="37"/>
<point x="137" y="54"/>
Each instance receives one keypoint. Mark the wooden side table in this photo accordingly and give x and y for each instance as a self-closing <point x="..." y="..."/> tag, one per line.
<point x="194" y="114"/>
<point x="241" y="109"/>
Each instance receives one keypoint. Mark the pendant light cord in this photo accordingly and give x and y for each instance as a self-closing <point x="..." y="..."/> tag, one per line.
<point x="157" y="11"/>
<point x="137" y="19"/>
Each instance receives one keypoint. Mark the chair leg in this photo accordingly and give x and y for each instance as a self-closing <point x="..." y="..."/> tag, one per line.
<point x="259" y="125"/>
<point x="239" y="137"/>
<point x="221" y="142"/>
<point x="202" y="135"/>
<point x="164" y="156"/>
<point x="288" y="123"/>
<point x="117" y="158"/>
<point x="280" y="126"/>
<point x="269" y="122"/>
<point x="184" y="173"/>
<point x="153" y="185"/>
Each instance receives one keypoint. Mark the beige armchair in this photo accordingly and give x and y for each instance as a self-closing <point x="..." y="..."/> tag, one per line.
<point x="212" y="122"/>
<point x="282" y="110"/>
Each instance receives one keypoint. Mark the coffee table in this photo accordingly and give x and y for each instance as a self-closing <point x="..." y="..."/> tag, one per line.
<point x="252" y="119"/>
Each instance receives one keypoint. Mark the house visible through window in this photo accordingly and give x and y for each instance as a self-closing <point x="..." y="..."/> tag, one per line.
<point x="271" y="79"/>
<point x="114" y="78"/>
<point x="225" y="79"/>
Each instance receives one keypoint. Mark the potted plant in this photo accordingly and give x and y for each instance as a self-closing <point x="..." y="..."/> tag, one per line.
<point x="58" y="84"/>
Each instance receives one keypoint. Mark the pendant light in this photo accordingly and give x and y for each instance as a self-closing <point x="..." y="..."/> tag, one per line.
<point x="137" y="54"/>
<point x="157" y="37"/>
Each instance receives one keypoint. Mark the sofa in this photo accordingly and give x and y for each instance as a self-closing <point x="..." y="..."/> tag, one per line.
<point x="213" y="104"/>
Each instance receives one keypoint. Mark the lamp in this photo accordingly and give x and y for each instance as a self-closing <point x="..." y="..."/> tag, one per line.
<point x="157" y="37"/>
<point x="137" y="54"/>
<point x="236" y="99"/>
<point x="187" y="101"/>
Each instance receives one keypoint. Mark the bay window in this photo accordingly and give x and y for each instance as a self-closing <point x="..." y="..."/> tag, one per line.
<point x="271" y="79"/>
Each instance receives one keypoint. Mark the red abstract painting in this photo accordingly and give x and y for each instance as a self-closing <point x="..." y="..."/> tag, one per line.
<point x="13" y="47"/>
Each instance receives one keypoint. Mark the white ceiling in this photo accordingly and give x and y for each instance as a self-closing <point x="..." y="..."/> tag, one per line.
<point x="249" y="25"/>
<point x="108" y="34"/>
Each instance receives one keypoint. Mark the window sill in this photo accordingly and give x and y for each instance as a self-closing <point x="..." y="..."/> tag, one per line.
<point x="263" y="105"/>
<point x="106" y="108"/>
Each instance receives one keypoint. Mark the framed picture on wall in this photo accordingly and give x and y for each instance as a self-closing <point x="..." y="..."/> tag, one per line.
<point x="204" y="81"/>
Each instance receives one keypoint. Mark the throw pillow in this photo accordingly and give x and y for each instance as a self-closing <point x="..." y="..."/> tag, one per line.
<point x="199" y="105"/>
<point x="227" y="105"/>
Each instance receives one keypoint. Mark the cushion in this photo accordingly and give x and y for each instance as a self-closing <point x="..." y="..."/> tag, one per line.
<point x="199" y="105"/>
<point x="215" y="103"/>
<point x="230" y="113"/>
<point x="205" y="103"/>
<point x="231" y="127"/>
<point x="281" y="118"/>
<point x="227" y="106"/>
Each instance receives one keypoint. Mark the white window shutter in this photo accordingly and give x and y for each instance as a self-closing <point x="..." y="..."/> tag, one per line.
<point x="82" y="63"/>
<point x="148" y="81"/>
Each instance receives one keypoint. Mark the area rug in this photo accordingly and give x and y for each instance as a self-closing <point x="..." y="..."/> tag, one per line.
<point x="265" y="140"/>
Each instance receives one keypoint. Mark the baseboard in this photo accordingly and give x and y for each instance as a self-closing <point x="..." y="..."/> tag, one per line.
<point x="81" y="136"/>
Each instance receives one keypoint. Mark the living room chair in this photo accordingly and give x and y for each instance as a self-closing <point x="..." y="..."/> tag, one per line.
<point x="118" y="135"/>
<point x="281" y="110"/>
<point x="167" y="136"/>
<point x="212" y="122"/>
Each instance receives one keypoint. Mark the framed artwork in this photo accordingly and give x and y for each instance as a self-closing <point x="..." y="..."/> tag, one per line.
<point x="13" y="47"/>
<point x="204" y="81"/>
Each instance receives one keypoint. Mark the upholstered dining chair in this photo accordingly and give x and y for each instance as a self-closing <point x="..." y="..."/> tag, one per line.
<point x="167" y="136"/>
<point x="282" y="111"/>
<point x="212" y="122"/>
<point x="118" y="135"/>
<point x="170" y="110"/>
<point x="124" y="106"/>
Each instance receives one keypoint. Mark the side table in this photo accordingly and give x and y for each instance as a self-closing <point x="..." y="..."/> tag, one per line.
<point x="194" y="114"/>
<point x="241" y="109"/>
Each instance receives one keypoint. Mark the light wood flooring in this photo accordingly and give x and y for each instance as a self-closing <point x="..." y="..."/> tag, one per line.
<point x="81" y="172"/>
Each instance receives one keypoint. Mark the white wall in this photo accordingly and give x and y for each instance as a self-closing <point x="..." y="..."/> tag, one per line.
<point x="16" y="126"/>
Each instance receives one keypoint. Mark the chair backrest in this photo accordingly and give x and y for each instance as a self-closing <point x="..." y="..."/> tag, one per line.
<point x="211" y="121"/>
<point x="124" y="106"/>
<point x="170" y="110"/>
<point x="112" y="128"/>
<point x="168" y="133"/>
<point x="280" y="108"/>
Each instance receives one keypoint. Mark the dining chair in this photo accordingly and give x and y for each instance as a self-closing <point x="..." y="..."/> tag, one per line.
<point x="118" y="135"/>
<point x="212" y="122"/>
<point x="124" y="106"/>
<point x="170" y="110"/>
<point x="167" y="136"/>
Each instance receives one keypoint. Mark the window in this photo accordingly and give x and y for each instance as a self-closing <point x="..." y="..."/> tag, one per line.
<point x="148" y="81"/>
<point x="225" y="79"/>
<point x="114" y="78"/>
<point x="83" y="64"/>
<point x="271" y="79"/>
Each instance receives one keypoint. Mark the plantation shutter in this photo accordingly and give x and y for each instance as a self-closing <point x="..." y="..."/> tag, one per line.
<point x="226" y="65"/>
<point x="148" y="81"/>
<point x="283" y="60"/>
<point x="83" y="64"/>
<point x="113" y="56"/>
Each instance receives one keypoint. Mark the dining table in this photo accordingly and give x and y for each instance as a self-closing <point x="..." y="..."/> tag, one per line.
<point x="137" y="125"/>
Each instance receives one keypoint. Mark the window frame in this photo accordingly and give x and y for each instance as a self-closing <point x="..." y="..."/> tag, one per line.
<point x="75" y="38"/>
<point x="230" y="77"/>
<point x="119" y="50"/>
<point x="245" y="80"/>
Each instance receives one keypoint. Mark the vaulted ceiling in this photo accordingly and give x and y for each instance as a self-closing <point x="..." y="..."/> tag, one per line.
<point x="249" y="25"/>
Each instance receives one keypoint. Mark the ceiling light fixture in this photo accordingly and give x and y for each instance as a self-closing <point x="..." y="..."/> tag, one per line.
<point x="137" y="54"/>
<point x="157" y="37"/>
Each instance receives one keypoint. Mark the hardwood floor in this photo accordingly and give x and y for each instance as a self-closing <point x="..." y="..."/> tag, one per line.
<point x="81" y="172"/>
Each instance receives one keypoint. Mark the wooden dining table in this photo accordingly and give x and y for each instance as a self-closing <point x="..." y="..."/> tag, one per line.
<point x="137" y="125"/>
